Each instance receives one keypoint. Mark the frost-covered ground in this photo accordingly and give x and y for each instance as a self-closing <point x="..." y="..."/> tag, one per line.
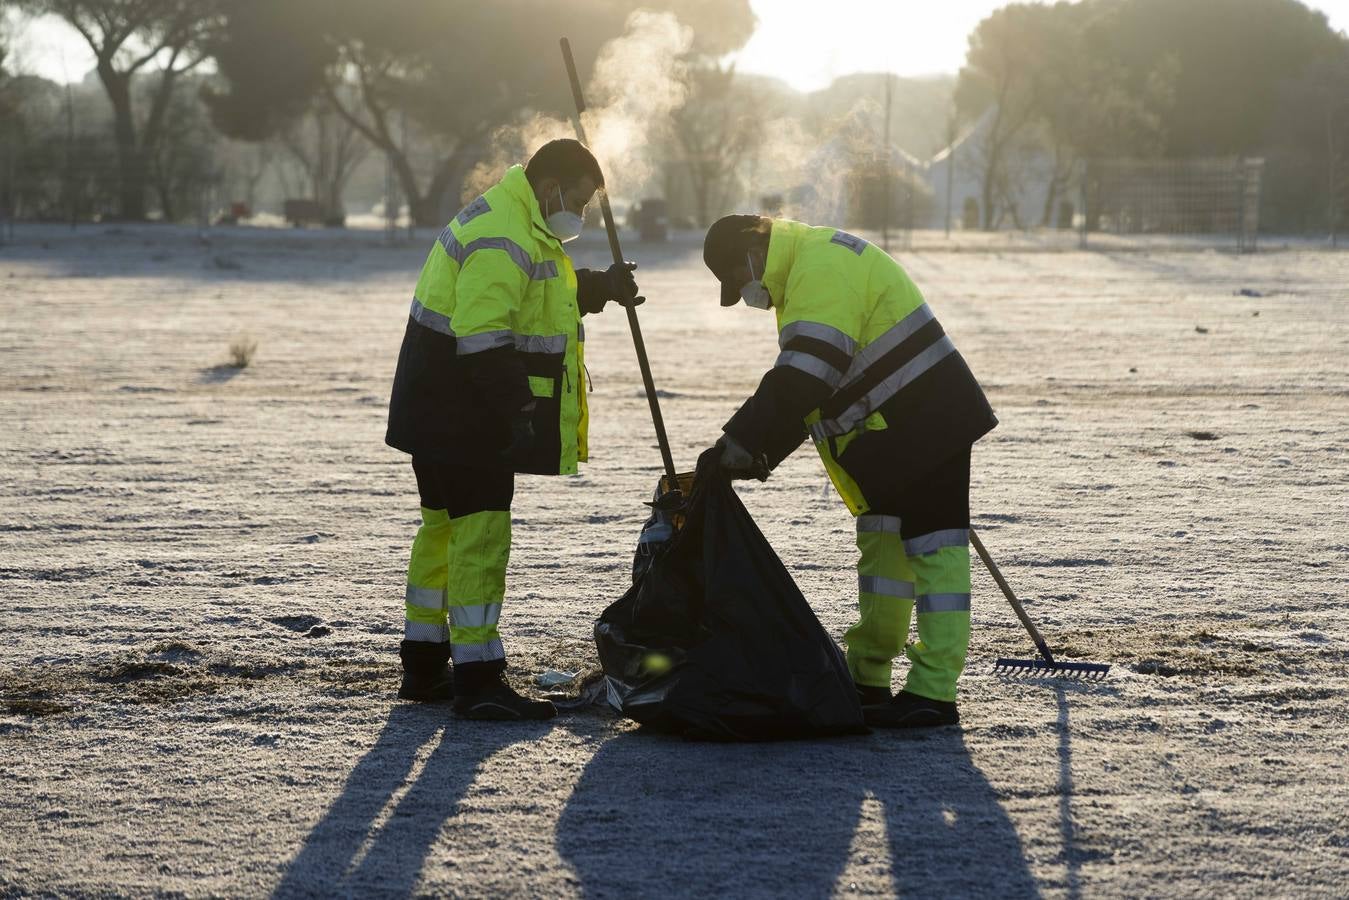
<point x="201" y="575"/>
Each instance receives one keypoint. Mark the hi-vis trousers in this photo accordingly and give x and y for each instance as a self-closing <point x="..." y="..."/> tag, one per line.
<point x="457" y="573"/>
<point x="915" y="555"/>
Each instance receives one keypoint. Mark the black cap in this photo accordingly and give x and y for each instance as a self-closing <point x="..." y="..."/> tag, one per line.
<point x="724" y="251"/>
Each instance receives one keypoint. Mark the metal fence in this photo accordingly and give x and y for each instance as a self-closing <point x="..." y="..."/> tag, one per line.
<point x="1214" y="201"/>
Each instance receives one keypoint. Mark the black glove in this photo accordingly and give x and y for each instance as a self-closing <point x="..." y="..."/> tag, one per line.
<point x="622" y="286"/>
<point x="739" y="463"/>
<point x="594" y="288"/>
<point x="522" y="436"/>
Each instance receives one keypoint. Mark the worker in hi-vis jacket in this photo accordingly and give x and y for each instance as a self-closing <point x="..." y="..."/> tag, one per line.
<point x="490" y="384"/>
<point x="866" y="371"/>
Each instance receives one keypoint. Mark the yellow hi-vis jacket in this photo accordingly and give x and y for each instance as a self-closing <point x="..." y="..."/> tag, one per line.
<point x="494" y="324"/>
<point x="865" y="368"/>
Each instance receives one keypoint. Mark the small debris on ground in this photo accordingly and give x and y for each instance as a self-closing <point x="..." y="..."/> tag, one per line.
<point x="554" y="678"/>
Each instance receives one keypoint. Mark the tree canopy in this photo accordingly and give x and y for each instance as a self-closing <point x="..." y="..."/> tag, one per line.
<point x="457" y="70"/>
<point x="1121" y="78"/>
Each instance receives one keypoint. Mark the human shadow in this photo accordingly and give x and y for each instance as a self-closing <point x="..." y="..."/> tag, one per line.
<point x="657" y="816"/>
<point x="356" y="849"/>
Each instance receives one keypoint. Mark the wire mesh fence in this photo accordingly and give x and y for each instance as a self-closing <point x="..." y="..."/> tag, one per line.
<point x="1112" y="204"/>
<point x="1208" y="201"/>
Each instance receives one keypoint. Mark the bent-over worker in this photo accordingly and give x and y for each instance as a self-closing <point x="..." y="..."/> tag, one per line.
<point x="866" y="370"/>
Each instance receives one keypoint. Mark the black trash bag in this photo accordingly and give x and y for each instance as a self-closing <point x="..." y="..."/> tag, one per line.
<point x="715" y="640"/>
<point x="667" y="517"/>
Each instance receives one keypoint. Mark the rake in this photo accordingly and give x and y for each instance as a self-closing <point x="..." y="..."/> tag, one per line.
<point x="1046" y="664"/>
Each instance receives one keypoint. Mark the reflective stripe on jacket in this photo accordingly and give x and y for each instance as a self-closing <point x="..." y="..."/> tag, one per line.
<point x="890" y="396"/>
<point x="494" y="324"/>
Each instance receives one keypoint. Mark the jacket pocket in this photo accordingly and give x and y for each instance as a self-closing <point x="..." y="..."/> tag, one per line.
<point x="545" y="371"/>
<point x="541" y="386"/>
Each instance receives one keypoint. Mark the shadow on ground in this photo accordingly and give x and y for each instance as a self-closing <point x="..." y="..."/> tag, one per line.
<point x="655" y="816"/>
<point x="358" y="850"/>
<point x="244" y="254"/>
<point x="894" y="813"/>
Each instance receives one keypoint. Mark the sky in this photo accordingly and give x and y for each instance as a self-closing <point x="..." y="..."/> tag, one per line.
<point x="909" y="37"/>
<point x="794" y="41"/>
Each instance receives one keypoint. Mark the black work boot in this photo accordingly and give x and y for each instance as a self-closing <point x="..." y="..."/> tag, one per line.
<point x="495" y="700"/>
<point x="870" y="695"/>
<point x="907" y="710"/>
<point x="427" y="677"/>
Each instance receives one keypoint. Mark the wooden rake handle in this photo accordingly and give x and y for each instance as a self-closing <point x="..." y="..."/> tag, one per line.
<point x="1011" y="598"/>
<point x="638" y="344"/>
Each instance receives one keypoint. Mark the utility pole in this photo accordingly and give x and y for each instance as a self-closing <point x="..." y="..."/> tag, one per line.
<point x="207" y="197"/>
<point x="886" y="155"/>
<point x="70" y="142"/>
<point x="1334" y="192"/>
<point x="412" y="218"/>
<point x="950" y="166"/>
<point x="390" y="202"/>
<point x="1082" y="200"/>
<point x="11" y="189"/>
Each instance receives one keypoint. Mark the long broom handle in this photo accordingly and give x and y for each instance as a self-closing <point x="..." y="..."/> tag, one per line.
<point x="1011" y="598"/>
<point x="633" y="325"/>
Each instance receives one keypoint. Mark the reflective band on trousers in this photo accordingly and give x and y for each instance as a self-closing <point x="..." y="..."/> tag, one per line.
<point x="425" y="631"/>
<point x="426" y="598"/>
<point x="811" y="365"/>
<point x="487" y="340"/>
<point x="519" y="255"/>
<point x="935" y="603"/>
<point x="925" y="544"/>
<point x="485" y="652"/>
<point x="903" y="376"/>
<point x="477" y="616"/>
<point x="886" y="587"/>
<point x="819" y="332"/>
<point x="887" y="524"/>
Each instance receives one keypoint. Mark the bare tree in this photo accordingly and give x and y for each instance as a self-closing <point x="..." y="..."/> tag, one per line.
<point x="449" y="74"/>
<point x="718" y="127"/>
<point x="398" y="69"/>
<point x="251" y="166"/>
<point x="999" y="81"/>
<point x="328" y="147"/>
<point x="133" y="39"/>
<point x="182" y="166"/>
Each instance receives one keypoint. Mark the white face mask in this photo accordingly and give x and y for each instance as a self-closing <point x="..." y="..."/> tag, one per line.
<point x="564" y="224"/>
<point x="753" y="292"/>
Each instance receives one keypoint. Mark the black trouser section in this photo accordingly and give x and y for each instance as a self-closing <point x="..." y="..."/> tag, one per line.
<point x="935" y="502"/>
<point x="462" y="491"/>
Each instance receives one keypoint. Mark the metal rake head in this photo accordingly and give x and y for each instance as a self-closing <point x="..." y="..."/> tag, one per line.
<point x="1058" y="669"/>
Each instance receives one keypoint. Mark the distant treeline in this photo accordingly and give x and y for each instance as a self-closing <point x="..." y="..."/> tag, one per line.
<point x="1107" y="79"/>
<point x="311" y="94"/>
